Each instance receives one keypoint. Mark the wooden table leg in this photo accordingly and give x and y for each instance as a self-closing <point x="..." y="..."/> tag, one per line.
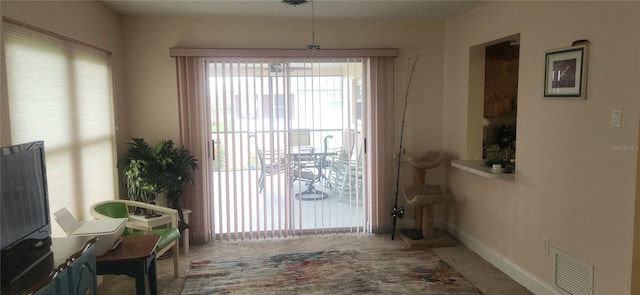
<point x="139" y="277"/>
<point x="152" y="275"/>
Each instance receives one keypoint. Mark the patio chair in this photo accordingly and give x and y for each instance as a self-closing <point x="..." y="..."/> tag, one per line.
<point x="344" y="173"/>
<point x="271" y="163"/>
<point x="345" y="177"/>
<point x="349" y="142"/>
<point x="300" y="143"/>
<point x="169" y="237"/>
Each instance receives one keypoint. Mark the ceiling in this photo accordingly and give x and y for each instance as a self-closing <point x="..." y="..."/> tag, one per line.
<point x="385" y="10"/>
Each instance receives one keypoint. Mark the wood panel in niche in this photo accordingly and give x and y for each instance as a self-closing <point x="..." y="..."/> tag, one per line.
<point x="501" y="79"/>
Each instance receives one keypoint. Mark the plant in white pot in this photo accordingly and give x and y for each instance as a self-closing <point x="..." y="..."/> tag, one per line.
<point x="151" y="170"/>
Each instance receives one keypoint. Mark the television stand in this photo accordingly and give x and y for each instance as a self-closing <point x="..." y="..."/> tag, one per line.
<point x="69" y="270"/>
<point x="20" y="261"/>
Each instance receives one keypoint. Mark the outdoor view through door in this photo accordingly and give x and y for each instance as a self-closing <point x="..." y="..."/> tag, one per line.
<point x="288" y="146"/>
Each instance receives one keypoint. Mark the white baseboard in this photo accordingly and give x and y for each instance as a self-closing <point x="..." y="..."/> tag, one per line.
<point x="517" y="273"/>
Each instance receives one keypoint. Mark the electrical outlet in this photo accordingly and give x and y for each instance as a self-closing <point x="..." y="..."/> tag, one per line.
<point x="546" y="244"/>
<point x="616" y="118"/>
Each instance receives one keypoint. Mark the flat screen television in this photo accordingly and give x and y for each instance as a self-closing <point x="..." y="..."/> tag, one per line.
<point x="25" y="228"/>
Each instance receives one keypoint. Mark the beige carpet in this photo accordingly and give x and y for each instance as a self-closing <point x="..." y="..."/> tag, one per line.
<point x="481" y="274"/>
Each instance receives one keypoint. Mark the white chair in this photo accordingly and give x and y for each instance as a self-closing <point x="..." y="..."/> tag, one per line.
<point x="123" y="208"/>
<point x="345" y="170"/>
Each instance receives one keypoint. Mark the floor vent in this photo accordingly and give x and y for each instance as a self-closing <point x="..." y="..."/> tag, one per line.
<point x="572" y="275"/>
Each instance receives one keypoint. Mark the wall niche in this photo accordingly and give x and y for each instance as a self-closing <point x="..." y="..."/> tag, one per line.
<point x="501" y="79"/>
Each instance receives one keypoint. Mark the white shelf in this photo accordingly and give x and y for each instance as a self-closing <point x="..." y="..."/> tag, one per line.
<point x="165" y="220"/>
<point x="478" y="167"/>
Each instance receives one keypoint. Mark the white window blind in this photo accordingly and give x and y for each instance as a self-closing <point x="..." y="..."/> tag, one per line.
<point x="60" y="91"/>
<point x="262" y="111"/>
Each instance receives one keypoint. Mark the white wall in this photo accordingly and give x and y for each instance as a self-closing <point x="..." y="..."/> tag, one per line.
<point x="572" y="184"/>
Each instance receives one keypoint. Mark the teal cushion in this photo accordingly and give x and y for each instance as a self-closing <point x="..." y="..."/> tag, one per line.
<point x="168" y="235"/>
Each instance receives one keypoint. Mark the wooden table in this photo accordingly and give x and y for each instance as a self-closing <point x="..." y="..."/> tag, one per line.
<point x="134" y="257"/>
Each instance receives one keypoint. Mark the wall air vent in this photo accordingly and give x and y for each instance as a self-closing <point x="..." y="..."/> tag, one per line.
<point x="571" y="275"/>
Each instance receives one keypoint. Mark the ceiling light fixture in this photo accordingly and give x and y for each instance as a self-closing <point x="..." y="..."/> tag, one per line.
<point x="294" y="2"/>
<point x="313" y="46"/>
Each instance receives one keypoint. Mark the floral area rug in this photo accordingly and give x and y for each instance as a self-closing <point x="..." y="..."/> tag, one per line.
<point x="407" y="271"/>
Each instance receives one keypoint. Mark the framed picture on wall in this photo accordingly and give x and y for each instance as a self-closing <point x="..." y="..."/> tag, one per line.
<point x="566" y="73"/>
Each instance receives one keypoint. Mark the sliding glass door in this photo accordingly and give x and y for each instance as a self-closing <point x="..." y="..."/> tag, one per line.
<point x="288" y="146"/>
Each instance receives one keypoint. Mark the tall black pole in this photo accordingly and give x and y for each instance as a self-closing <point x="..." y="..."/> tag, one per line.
<point x="399" y="212"/>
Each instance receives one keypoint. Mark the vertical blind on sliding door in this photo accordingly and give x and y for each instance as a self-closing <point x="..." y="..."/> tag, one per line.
<point x="288" y="146"/>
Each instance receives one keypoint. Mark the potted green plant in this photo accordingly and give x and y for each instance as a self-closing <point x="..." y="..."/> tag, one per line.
<point x="149" y="170"/>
